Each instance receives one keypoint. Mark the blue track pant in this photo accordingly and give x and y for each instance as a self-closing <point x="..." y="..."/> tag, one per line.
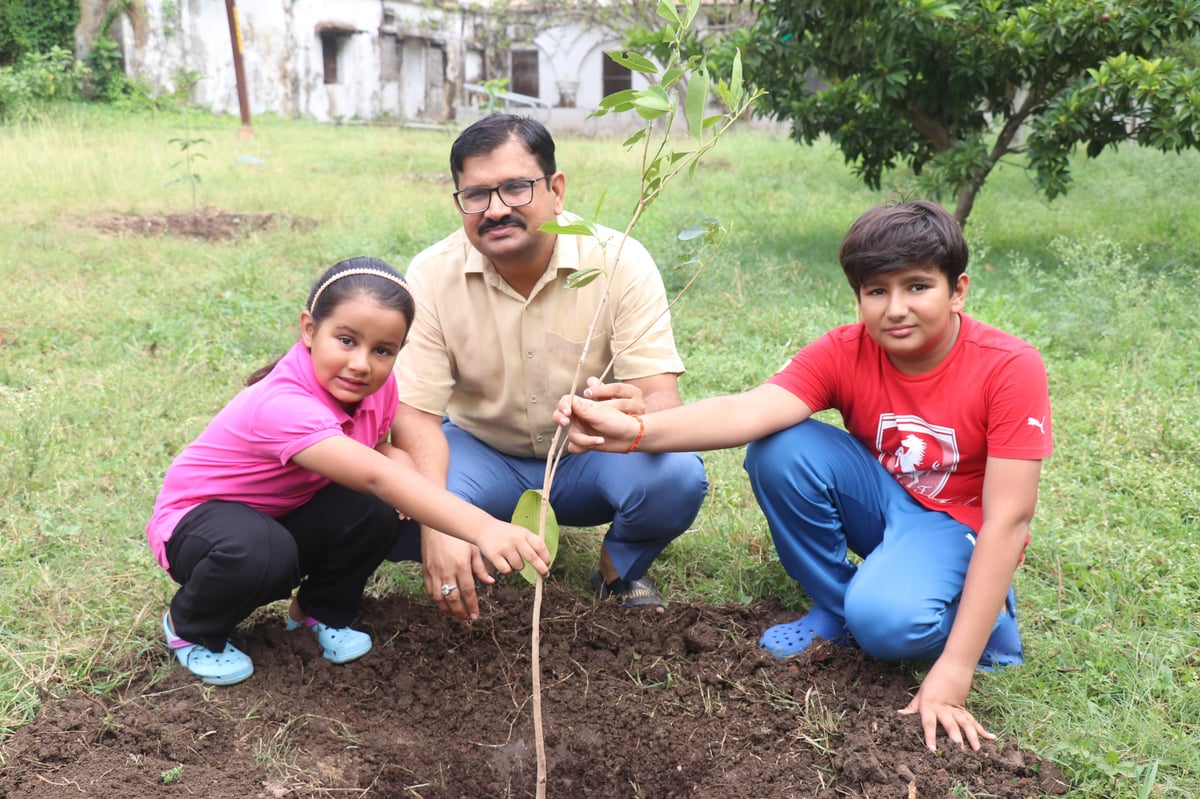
<point x="824" y="496"/>
<point x="650" y="499"/>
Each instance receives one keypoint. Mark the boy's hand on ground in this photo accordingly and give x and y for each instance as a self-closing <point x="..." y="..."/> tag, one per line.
<point x="509" y="547"/>
<point x="941" y="700"/>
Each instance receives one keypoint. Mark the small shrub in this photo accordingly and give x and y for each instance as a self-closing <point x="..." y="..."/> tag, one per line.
<point x="37" y="79"/>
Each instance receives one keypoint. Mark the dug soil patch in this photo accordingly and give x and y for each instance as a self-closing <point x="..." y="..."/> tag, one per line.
<point x="635" y="704"/>
<point x="205" y="224"/>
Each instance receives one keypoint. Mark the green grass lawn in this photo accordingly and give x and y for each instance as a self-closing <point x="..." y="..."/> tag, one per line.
<point x="115" y="351"/>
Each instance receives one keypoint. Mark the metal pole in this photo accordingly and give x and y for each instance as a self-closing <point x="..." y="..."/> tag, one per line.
<point x="235" y="37"/>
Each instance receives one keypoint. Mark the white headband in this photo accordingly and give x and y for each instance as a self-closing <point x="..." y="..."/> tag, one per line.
<point x="399" y="281"/>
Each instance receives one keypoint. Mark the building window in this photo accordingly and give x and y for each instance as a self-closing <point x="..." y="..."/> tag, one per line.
<point x="334" y="36"/>
<point x="329" y="52"/>
<point x="391" y="57"/>
<point x="616" y="78"/>
<point x="524" y="77"/>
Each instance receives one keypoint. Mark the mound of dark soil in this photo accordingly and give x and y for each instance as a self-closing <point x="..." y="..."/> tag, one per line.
<point x="635" y="704"/>
<point x="206" y="224"/>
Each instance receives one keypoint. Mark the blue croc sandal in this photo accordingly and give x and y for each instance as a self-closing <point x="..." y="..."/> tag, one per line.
<point x="785" y="640"/>
<point x="227" y="667"/>
<point x="1004" y="647"/>
<point x="340" y="644"/>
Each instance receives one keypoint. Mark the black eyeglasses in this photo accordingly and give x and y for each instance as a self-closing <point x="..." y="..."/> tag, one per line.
<point x="513" y="193"/>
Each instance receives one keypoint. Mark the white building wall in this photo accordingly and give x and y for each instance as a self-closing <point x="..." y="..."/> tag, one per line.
<point x="431" y="52"/>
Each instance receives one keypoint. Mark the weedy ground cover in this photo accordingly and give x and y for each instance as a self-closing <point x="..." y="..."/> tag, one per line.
<point x="116" y="350"/>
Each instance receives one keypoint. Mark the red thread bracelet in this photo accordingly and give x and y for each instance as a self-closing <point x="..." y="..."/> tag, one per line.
<point x="641" y="432"/>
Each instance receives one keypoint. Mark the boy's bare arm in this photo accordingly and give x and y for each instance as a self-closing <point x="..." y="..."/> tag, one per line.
<point x="1010" y="490"/>
<point x="1009" y="499"/>
<point x="707" y="424"/>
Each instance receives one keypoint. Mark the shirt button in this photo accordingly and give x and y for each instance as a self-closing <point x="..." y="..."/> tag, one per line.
<point x="533" y="399"/>
<point x="540" y="438"/>
<point x="528" y="353"/>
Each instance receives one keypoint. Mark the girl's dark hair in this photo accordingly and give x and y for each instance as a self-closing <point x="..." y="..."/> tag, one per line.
<point x="892" y="237"/>
<point x="484" y="136"/>
<point x="348" y="279"/>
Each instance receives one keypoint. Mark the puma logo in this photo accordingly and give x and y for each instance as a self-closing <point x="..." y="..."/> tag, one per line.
<point x="1039" y="425"/>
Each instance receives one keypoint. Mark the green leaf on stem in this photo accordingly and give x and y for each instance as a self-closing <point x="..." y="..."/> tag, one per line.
<point x="652" y="102"/>
<point x="580" y="227"/>
<point x="709" y="226"/>
<point x="697" y="99"/>
<point x="624" y="97"/>
<point x="634" y="61"/>
<point x="735" y="78"/>
<point x="671" y="76"/>
<point x="526" y="514"/>
<point x="638" y="135"/>
<point x="581" y="277"/>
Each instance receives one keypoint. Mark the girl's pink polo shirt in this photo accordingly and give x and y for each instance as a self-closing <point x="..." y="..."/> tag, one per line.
<point x="245" y="453"/>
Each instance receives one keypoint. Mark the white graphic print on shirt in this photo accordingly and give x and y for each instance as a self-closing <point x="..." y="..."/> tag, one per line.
<point x="918" y="454"/>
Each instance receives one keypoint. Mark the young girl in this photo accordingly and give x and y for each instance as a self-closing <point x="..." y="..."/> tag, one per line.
<point x="294" y="483"/>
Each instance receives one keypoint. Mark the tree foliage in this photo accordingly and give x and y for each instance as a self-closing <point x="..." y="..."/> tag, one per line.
<point x="35" y="26"/>
<point x="950" y="88"/>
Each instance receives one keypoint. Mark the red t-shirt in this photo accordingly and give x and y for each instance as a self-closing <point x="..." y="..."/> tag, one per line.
<point x="934" y="431"/>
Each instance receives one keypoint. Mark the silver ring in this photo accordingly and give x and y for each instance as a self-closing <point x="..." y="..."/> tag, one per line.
<point x="447" y="588"/>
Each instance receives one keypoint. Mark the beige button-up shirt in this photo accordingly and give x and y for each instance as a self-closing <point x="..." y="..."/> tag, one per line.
<point x="496" y="363"/>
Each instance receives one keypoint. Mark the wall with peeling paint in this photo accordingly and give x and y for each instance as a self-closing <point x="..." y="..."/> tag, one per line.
<point x="395" y="59"/>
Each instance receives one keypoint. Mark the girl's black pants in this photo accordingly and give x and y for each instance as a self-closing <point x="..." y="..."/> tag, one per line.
<point x="230" y="559"/>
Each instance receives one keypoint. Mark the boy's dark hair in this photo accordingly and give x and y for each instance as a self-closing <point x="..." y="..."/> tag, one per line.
<point x="487" y="134"/>
<point x="891" y="237"/>
<point x="353" y="277"/>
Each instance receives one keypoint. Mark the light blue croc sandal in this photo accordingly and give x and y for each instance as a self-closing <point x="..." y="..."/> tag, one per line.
<point x="227" y="667"/>
<point x="340" y="644"/>
<point x="785" y="640"/>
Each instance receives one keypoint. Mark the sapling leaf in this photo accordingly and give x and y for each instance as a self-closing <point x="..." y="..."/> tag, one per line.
<point x="599" y="205"/>
<point x="526" y="514"/>
<point x="652" y="103"/>
<point x="638" y="135"/>
<point x="666" y="10"/>
<point x="735" y="78"/>
<point x="697" y="99"/>
<point x="671" y="76"/>
<point x="581" y="277"/>
<point x="623" y="97"/>
<point x="726" y="96"/>
<point x="579" y="227"/>
<point x="634" y="61"/>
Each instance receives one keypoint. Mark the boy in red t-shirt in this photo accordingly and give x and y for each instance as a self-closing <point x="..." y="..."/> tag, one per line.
<point x="933" y="486"/>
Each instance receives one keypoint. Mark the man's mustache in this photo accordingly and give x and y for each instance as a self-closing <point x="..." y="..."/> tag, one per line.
<point x="488" y="224"/>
